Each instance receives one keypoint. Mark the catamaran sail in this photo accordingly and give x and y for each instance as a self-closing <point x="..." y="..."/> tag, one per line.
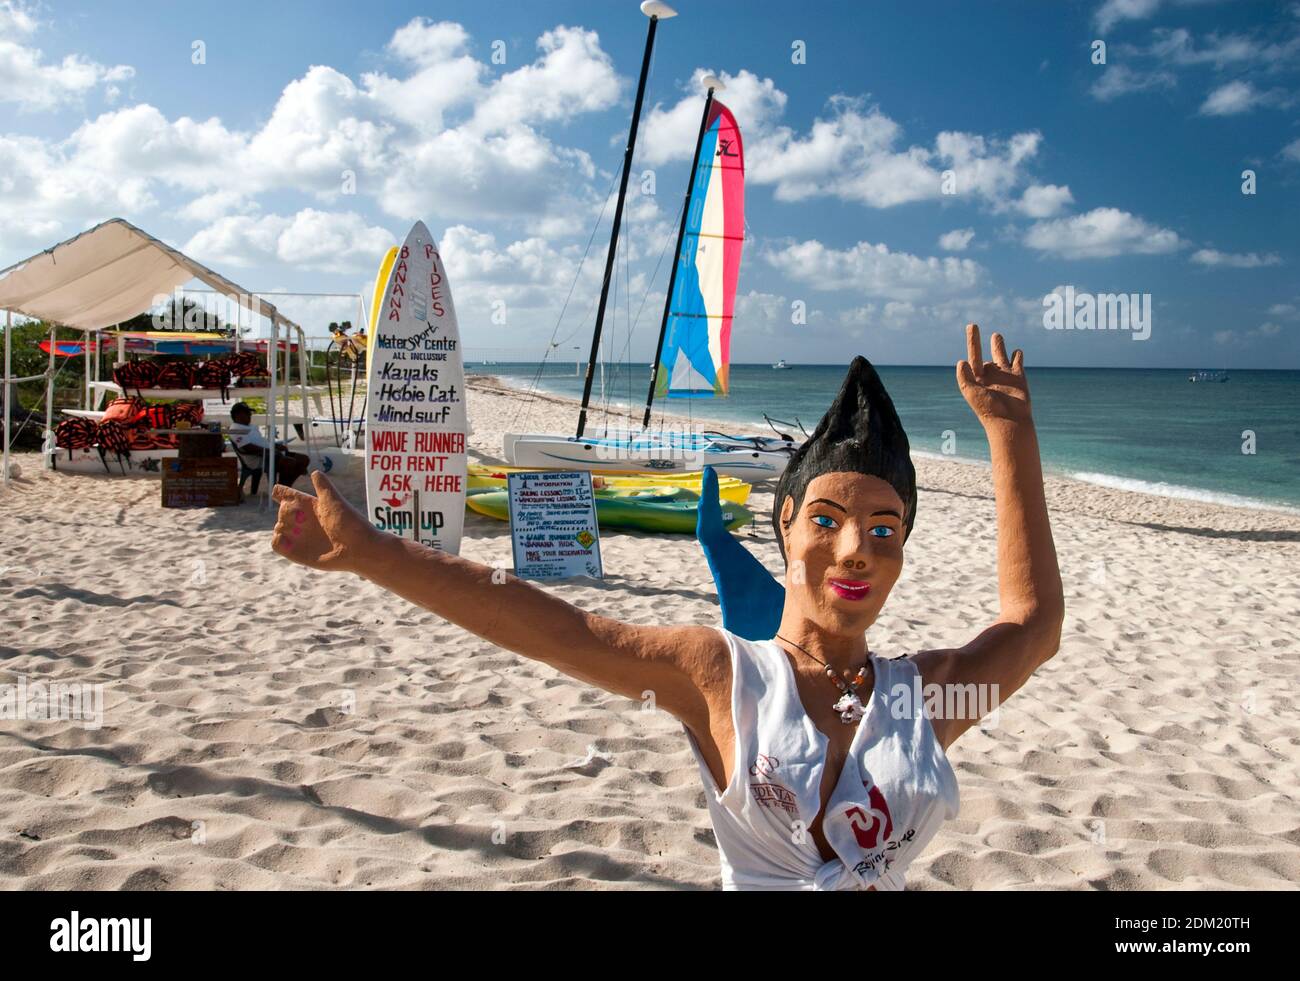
<point x="697" y="333"/>
<point x="694" y="347"/>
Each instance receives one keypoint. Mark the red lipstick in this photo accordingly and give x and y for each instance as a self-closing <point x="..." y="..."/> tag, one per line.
<point x="849" y="589"/>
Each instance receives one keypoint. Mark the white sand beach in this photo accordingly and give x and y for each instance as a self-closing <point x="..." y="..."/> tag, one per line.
<point x="266" y="726"/>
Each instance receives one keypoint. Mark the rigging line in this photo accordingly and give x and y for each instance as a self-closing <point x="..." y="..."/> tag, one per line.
<point x="654" y="276"/>
<point x="609" y="389"/>
<point x="577" y="273"/>
<point x="552" y="344"/>
<point x="572" y="286"/>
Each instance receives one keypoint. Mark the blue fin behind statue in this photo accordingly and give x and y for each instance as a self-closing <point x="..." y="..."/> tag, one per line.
<point x="751" y="599"/>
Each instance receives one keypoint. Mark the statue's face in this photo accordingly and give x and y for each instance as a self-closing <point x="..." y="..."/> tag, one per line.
<point x="844" y="550"/>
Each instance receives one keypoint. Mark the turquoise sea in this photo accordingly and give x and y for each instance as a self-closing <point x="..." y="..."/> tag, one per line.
<point x="1139" y="429"/>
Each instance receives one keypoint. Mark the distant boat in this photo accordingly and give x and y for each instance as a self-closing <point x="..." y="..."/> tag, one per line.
<point x="781" y="366"/>
<point x="1208" y="376"/>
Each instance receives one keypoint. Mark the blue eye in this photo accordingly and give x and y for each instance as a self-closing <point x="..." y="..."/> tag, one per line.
<point x="882" y="531"/>
<point x="825" y="520"/>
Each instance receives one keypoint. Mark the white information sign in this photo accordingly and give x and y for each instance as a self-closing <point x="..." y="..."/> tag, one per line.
<point x="553" y="525"/>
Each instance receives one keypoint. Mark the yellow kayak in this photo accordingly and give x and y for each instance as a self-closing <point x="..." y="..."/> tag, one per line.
<point x="733" y="489"/>
<point x="664" y="509"/>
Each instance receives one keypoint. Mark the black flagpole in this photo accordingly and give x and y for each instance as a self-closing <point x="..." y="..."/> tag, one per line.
<point x="677" y="256"/>
<point x="654" y="10"/>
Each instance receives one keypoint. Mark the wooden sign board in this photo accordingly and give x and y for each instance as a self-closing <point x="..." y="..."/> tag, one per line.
<point x="206" y="483"/>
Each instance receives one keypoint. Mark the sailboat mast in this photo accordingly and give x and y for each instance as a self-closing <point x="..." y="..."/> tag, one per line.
<point x="656" y="11"/>
<point x="677" y="256"/>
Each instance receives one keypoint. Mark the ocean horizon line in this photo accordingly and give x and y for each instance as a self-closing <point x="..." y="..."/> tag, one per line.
<point x="887" y="364"/>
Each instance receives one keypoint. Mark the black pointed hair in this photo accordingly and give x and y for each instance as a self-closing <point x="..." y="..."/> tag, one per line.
<point x="860" y="433"/>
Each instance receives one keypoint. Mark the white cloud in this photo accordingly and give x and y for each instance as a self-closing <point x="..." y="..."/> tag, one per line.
<point x="1234" y="260"/>
<point x="472" y="256"/>
<point x="939" y="318"/>
<point x="956" y="240"/>
<point x="141" y="142"/>
<point x="1099" y="234"/>
<point x="495" y="164"/>
<point x="572" y="76"/>
<point x="853" y="152"/>
<point x="1117" y="80"/>
<point x="670" y="134"/>
<point x="1177" y="47"/>
<point x="422" y="41"/>
<point x="45" y="196"/>
<point x="31" y="82"/>
<point x="873" y="270"/>
<point x="444" y="76"/>
<point x="764" y="313"/>
<point x="322" y="125"/>
<point x="1286" y="310"/>
<point x="1113" y="12"/>
<point x="207" y="208"/>
<point x="340" y="242"/>
<point x="1292" y="150"/>
<point x="1155" y="66"/>
<point x="527" y="275"/>
<point x="443" y="136"/>
<point x="854" y="155"/>
<point x="1267" y="329"/>
<point x="16" y="18"/>
<point x="1233" y="98"/>
<point x="1044" y="200"/>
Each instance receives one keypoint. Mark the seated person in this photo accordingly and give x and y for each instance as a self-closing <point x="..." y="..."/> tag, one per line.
<point x="251" y="447"/>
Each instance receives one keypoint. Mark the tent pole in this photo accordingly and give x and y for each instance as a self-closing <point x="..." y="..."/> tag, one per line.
<point x="288" y="379"/>
<point x="85" y="364"/>
<point x="49" y="403"/>
<point x="270" y="404"/>
<point x="9" y="390"/>
<point x="99" y="350"/>
<point x="302" y="386"/>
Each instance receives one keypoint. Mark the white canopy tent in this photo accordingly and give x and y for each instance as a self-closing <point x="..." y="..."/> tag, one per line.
<point x="109" y="274"/>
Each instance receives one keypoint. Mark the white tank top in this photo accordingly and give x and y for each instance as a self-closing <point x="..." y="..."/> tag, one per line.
<point x="894" y="792"/>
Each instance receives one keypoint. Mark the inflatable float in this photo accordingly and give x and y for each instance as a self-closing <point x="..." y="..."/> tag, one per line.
<point x="483" y="478"/>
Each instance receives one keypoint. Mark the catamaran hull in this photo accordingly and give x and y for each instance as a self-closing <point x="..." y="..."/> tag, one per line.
<point x="566" y="453"/>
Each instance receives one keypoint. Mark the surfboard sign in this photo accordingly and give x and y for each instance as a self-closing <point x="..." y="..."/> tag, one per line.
<point x="415" y="408"/>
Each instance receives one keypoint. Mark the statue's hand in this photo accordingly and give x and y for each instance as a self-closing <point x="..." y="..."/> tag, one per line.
<point x="322" y="532"/>
<point x="996" y="390"/>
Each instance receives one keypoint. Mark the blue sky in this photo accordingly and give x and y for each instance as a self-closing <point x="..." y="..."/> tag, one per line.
<point x="1115" y="178"/>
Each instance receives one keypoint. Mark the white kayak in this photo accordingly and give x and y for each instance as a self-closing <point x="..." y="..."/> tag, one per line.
<point x="750" y="458"/>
